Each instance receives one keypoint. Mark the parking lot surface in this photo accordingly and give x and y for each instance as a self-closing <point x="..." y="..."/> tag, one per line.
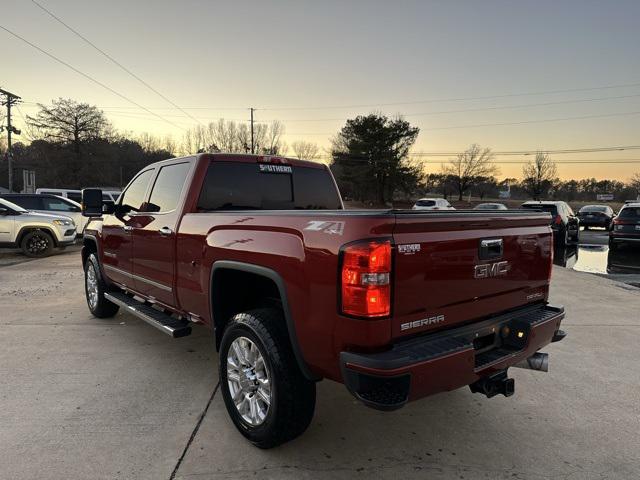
<point x="116" y="399"/>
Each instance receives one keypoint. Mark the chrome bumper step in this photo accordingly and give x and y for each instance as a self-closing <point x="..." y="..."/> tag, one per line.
<point x="165" y="323"/>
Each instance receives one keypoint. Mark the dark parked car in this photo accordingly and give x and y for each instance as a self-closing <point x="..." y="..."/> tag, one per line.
<point x="596" y="216"/>
<point x="564" y="223"/>
<point x="490" y="206"/>
<point x="626" y="226"/>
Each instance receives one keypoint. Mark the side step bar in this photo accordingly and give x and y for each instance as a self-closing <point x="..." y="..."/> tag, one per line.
<point x="163" y="322"/>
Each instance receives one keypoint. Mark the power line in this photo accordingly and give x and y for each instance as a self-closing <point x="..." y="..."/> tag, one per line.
<point x="88" y="77"/>
<point x="440" y="100"/>
<point x="503" y="124"/>
<point x="480" y="109"/>
<point x="533" y="152"/>
<point x="113" y="60"/>
<point x="435" y="100"/>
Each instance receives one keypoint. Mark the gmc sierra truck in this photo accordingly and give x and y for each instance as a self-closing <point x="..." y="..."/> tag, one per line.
<point x="395" y="304"/>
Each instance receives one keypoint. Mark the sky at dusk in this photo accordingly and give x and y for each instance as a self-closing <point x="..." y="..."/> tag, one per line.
<point x="464" y="72"/>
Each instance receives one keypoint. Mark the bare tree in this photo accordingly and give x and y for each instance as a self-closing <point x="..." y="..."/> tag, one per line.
<point x="273" y="142"/>
<point x="635" y="183"/>
<point x="539" y="175"/>
<point x="305" y="150"/>
<point x="231" y="137"/>
<point x="69" y="122"/>
<point x="470" y="168"/>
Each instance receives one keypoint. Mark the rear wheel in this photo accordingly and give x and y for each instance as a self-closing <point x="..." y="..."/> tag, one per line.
<point x="267" y="396"/>
<point x="95" y="287"/>
<point x="37" y="243"/>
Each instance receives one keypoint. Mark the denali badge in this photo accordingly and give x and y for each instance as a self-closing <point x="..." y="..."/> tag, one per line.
<point x="487" y="270"/>
<point x="409" y="248"/>
<point x="421" y="323"/>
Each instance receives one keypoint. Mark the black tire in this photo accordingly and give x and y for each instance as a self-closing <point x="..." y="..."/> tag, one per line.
<point x="586" y="227"/>
<point x="37" y="243"/>
<point x="102" y="308"/>
<point x="292" y="396"/>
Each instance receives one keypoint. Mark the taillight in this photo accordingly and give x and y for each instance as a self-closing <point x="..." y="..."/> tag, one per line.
<point x="365" y="279"/>
<point x="558" y="220"/>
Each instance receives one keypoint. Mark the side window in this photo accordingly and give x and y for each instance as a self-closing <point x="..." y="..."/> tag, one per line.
<point x="134" y="194"/>
<point x="58" y="205"/>
<point x="28" y="202"/>
<point x="168" y="188"/>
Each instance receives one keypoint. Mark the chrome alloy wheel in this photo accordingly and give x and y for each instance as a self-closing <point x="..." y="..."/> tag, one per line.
<point x="92" y="286"/>
<point x="248" y="380"/>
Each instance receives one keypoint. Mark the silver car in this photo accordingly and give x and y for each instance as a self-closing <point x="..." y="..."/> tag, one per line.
<point x="37" y="234"/>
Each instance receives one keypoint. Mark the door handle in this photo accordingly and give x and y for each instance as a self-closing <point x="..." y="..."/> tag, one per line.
<point x="127" y="228"/>
<point x="165" y="231"/>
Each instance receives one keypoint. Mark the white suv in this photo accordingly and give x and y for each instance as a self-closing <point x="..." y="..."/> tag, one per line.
<point x="432" y="204"/>
<point x="51" y="204"/>
<point x="35" y="233"/>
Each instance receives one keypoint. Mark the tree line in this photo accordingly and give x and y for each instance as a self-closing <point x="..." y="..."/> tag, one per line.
<point x="73" y="145"/>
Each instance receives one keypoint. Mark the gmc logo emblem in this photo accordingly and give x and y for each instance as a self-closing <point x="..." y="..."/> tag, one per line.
<point x="487" y="270"/>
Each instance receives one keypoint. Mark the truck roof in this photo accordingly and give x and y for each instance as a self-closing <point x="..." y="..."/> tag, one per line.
<point x="249" y="158"/>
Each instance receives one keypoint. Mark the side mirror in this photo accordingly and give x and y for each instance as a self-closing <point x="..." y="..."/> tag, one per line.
<point x="91" y="202"/>
<point x="4" y="211"/>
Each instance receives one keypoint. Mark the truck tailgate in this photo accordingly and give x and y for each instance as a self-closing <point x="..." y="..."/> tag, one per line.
<point x="458" y="267"/>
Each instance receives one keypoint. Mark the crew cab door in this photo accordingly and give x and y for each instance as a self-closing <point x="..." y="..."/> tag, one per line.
<point x="154" y="234"/>
<point x="117" y="229"/>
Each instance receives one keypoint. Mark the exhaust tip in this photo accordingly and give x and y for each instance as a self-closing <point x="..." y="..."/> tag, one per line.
<point x="537" y="361"/>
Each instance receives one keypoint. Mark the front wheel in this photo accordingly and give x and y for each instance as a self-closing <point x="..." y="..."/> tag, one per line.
<point x="37" y="243"/>
<point x="94" y="288"/>
<point x="268" y="398"/>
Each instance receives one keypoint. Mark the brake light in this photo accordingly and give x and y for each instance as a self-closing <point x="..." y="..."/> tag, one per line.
<point x="270" y="159"/>
<point x="558" y="220"/>
<point x="365" y="275"/>
<point x="551" y="256"/>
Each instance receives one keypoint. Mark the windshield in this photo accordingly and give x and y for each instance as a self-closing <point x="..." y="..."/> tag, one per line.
<point x="12" y="206"/>
<point x="426" y="203"/>
<point x="545" y="207"/>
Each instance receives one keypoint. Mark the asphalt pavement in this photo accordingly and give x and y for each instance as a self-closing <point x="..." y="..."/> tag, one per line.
<point x="83" y="398"/>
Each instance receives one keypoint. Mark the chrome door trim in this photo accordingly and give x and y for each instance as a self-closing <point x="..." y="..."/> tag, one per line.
<point x="138" y="277"/>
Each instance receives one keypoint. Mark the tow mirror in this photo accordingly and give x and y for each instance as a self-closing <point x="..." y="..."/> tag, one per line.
<point x="91" y="202"/>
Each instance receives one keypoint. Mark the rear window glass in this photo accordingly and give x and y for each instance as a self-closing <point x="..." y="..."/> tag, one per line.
<point x="545" y="208"/>
<point x="426" y="203"/>
<point x="629" y="212"/>
<point x="593" y="208"/>
<point x="243" y="186"/>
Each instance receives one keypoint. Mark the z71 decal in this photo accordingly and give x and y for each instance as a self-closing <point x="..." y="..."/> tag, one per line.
<point x="332" y="228"/>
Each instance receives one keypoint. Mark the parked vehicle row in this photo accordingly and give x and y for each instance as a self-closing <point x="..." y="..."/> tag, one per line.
<point x="109" y="195"/>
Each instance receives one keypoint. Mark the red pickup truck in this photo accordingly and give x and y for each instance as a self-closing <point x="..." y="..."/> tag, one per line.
<point x="395" y="304"/>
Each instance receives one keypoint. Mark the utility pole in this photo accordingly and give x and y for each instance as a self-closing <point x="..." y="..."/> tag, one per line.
<point x="252" y="147"/>
<point x="11" y="100"/>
